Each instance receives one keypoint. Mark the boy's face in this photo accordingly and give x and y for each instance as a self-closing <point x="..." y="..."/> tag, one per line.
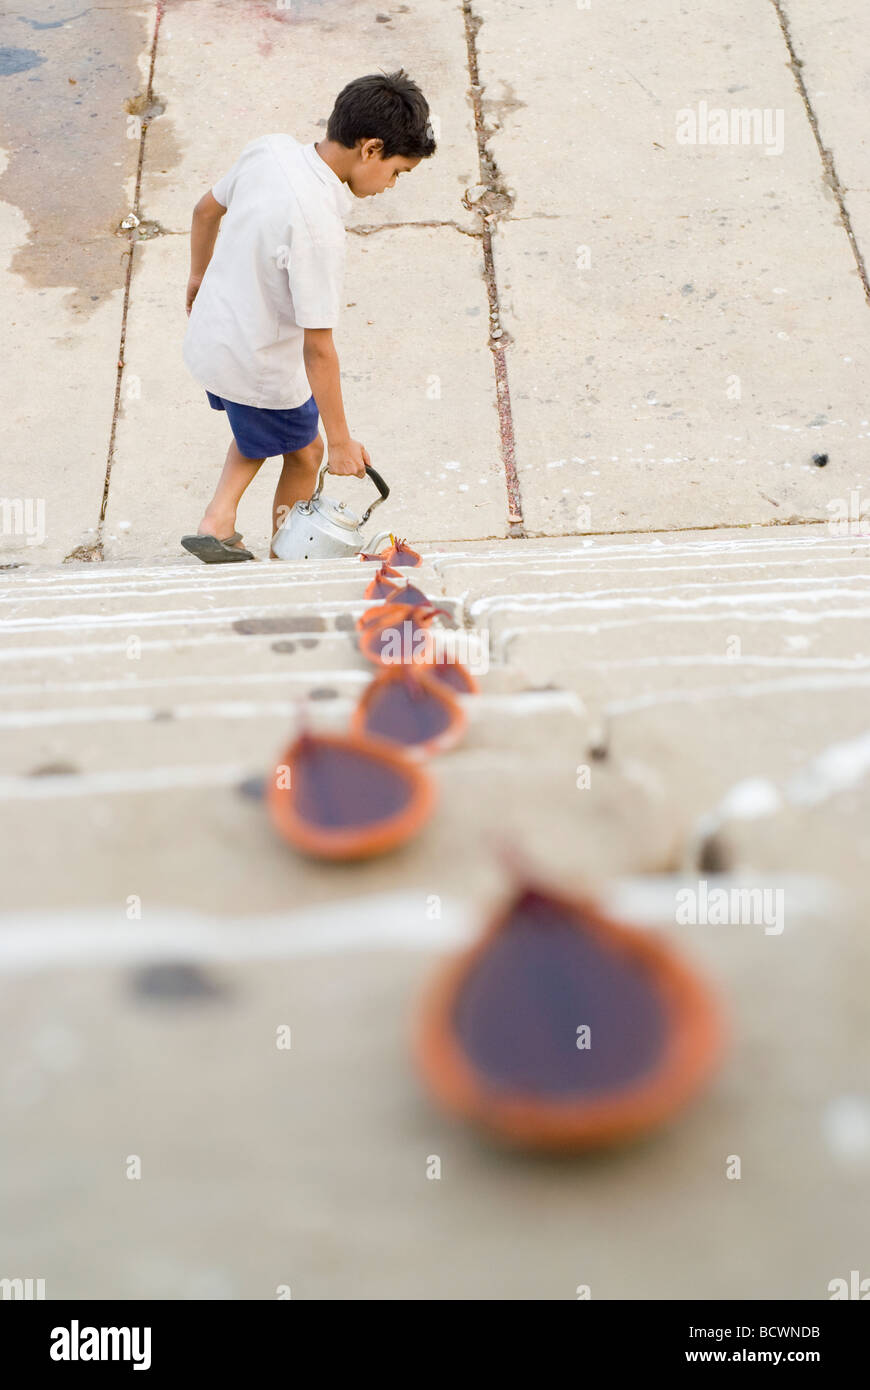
<point x="372" y="173"/>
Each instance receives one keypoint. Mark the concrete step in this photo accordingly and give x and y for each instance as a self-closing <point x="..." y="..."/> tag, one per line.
<point x="187" y="831"/>
<point x="152" y="693"/>
<point x="98" y="737"/>
<point x="132" y="758"/>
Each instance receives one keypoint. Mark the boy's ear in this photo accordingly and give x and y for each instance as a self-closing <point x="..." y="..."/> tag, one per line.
<point x="371" y="149"/>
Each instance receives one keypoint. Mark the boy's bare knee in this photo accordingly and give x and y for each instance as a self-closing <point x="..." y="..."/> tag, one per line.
<point x="316" y="446"/>
<point x="309" y="457"/>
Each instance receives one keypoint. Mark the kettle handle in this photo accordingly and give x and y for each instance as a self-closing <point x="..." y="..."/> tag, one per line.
<point x="382" y="489"/>
<point x="376" y="478"/>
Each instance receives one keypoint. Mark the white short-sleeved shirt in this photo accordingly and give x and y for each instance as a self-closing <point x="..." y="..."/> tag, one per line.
<point x="277" y="268"/>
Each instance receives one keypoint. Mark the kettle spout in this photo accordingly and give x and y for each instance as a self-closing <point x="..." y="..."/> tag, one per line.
<point x="371" y="547"/>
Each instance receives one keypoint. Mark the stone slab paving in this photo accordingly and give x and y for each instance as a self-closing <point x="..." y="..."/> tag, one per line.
<point x="230" y="72"/>
<point x="679" y="353"/>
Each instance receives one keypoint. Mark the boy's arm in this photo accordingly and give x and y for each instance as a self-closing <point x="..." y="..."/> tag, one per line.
<point x="203" y="234"/>
<point x="345" y="456"/>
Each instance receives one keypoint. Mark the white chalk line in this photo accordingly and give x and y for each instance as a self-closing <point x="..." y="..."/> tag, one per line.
<point x="306" y="677"/>
<point x="510" y="634"/>
<point x="810" y="685"/>
<point x="595" y="551"/>
<point x="62" y="587"/>
<point x="537" y="571"/>
<point x="100" y="593"/>
<point x="522" y="552"/>
<point x="527" y="703"/>
<point x="77" y="651"/>
<point x="534" y="600"/>
<point x="120" y="781"/>
<point x="224" y="641"/>
<point x="521" y="603"/>
<point x="658" y="598"/>
<point x="148" y="714"/>
<point x="839" y="767"/>
<point x="800" y="663"/>
<point x="206" y="576"/>
<point x="39" y="941"/>
<point x="188" y="617"/>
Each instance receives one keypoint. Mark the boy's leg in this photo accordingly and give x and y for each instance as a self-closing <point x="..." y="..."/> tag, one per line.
<point x="220" y="514"/>
<point x="296" y="482"/>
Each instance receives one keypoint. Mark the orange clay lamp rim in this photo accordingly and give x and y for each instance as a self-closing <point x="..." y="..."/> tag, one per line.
<point x="399" y="543"/>
<point x="383" y="611"/>
<point x="354" y="842"/>
<point x="694" y="1046"/>
<point x="392" y="615"/>
<point x="371" y="618"/>
<point x="373" y="621"/>
<point x="448" y="738"/>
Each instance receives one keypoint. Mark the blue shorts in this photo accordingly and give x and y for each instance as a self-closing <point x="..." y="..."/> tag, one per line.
<point x="263" y="434"/>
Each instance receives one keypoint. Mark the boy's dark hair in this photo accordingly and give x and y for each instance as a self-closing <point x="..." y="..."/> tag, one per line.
<point x="385" y="106"/>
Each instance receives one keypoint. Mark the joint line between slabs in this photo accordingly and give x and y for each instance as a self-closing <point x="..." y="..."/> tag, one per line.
<point x="826" y="155"/>
<point x="503" y="400"/>
<point x="110" y="456"/>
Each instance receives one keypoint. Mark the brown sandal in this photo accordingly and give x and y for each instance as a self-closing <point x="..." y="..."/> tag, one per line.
<point x="213" y="551"/>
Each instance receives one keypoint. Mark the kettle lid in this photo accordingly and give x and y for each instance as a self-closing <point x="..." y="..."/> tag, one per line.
<point x="335" y="512"/>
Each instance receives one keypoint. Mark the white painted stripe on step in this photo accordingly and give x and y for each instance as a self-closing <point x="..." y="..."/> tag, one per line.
<point x="331" y="711"/>
<point x="46" y="941"/>
<point x="524" y="702"/>
<point x="135" y="582"/>
<point x="121" y="781"/>
<point x="78" y="593"/>
<point x="791" y="615"/>
<point x="817" y="535"/>
<point x="735" y="663"/>
<point x="835" y="769"/>
<point x="107" y="573"/>
<point x="78" y="650"/>
<point x="582" y="568"/>
<point x="181" y="617"/>
<point x="305" y="677"/>
<point x="661" y="597"/>
<point x="100" y="938"/>
<point x="651" y="900"/>
<point x="738" y="690"/>
<point x="148" y="714"/>
<point x="534" y="600"/>
<point x="527" y="603"/>
<point x="680" y="565"/>
<point x="597" y="549"/>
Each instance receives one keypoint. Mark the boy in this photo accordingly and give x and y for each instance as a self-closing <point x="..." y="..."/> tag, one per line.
<point x="264" y="302"/>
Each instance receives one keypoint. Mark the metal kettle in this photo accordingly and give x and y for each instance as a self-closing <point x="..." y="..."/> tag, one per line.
<point x="320" y="529"/>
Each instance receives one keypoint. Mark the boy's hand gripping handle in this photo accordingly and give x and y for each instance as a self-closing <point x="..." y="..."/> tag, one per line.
<point x="376" y="478"/>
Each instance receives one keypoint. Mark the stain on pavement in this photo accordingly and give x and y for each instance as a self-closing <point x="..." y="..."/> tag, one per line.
<point x="67" y="135"/>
